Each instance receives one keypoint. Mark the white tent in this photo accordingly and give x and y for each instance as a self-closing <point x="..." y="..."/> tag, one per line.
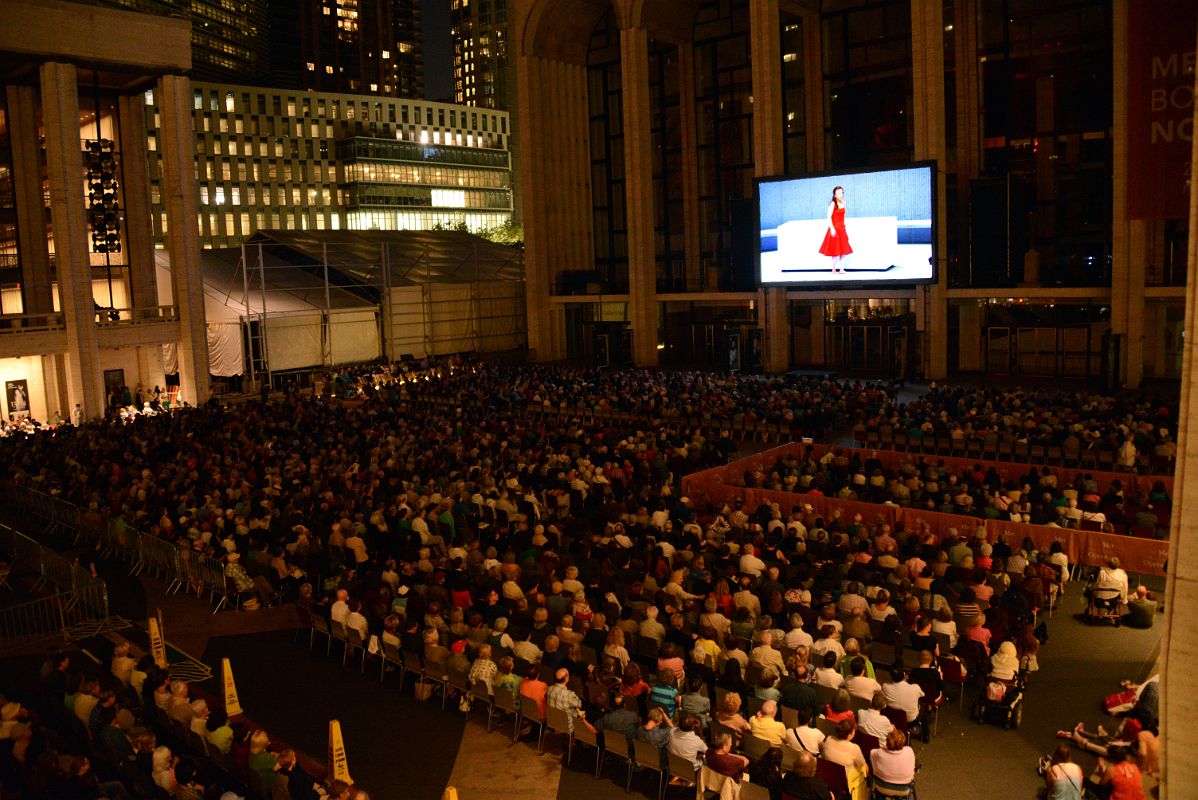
<point x="303" y="323"/>
<point x="440" y="291"/>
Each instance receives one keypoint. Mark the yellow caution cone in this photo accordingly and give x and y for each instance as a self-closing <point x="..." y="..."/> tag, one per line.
<point x="232" y="704"/>
<point x="338" y="764"/>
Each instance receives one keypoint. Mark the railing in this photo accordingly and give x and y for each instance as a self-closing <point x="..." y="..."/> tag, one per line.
<point x="180" y="567"/>
<point x="108" y="317"/>
<point x="31" y="323"/>
<point x="78" y="595"/>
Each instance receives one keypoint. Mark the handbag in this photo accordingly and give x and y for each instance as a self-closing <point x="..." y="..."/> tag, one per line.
<point x="424" y="689"/>
<point x="996" y="691"/>
<point x="1120" y="702"/>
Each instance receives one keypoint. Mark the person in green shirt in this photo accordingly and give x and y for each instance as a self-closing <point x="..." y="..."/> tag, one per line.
<point x="220" y="735"/>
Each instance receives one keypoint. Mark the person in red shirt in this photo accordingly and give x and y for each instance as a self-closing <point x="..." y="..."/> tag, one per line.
<point x="719" y="758"/>
<point x="532" y="694"/>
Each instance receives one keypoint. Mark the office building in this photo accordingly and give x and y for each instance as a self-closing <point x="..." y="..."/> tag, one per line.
<point x="482" y="67"/>
<point x="288" y="160"/>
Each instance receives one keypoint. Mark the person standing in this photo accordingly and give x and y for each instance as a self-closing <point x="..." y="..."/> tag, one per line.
<point x="836" y="240"/>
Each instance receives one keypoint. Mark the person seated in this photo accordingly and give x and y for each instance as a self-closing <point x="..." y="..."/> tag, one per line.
<point x="656" y="731"/>
<point x="1123" y="777"/>
<point x="1140" y="737"/>
<point x="801" y="783"/>
<point x="872" y="721"/>
<point x="1004" y="664"/>
<point x="852" y="649"/>
<point x="728" y="715"/>
<point x="1141" y="609"/>
<point x="859" y="684"/>
<point x="928" y="677"/>
<point x="840" y="708"/>
<point x="805" y="738"/>
<point x="720" y="759"/>
<point x="1111" y="578"/>
<point x="840" y="748"/>
<point x="828" y="675"/>
<point x="894" y="763"/>
<point x="764" y="725"/>
<point x="902" y="694"/>
<point x="687" y="742"/>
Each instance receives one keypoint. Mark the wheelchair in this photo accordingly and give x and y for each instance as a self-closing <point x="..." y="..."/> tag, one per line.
<point x="1007" y="711"/>
<point x="1103" y="607"/>
<point x="882" y="790"/>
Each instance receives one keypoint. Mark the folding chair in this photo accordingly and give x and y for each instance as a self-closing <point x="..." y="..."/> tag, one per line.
<point x="754" y="747"/>
<point x="391" y="655"/>
<point x="340" y="635"/>
<point x="586" y="736"/>
<point x="751" y="791"/>
<point x="556" y="721"/>
<point x="479" y="693"/>
<point x="683" y="771"/>
<point x="615" y="745"/>
<point x="505" y="703"/>
<point x="834" y="775"/>
<point x="321" y="625"/>
<point x="649" y="757"/>
<point x="354" y="642"/>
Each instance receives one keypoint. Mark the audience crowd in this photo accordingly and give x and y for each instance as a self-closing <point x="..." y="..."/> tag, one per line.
<point x="551" y="554"/>
<point x="127" y="730"/>
<point x="1035" y="497"/>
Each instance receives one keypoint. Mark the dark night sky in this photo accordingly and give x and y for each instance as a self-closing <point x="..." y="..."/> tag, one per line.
<point x="438" y="58"/>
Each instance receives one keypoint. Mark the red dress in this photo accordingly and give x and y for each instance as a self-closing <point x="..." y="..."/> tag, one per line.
<point x="837" y="245"/>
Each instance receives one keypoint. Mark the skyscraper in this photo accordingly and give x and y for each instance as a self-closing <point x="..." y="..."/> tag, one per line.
<point x="482" y="72"/>
<point x="347" y="46"/>
<point x="228" y="37"/>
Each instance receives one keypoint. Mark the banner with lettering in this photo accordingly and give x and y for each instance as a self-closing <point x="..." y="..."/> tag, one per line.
<point x="1160" y="108"/>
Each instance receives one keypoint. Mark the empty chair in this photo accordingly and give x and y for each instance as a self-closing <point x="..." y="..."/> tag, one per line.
<point x="649" y="757"/>
<point x="506" y="703"/>
<point x="616" y="746"/>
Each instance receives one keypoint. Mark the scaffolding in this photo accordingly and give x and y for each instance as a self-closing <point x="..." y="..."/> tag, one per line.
<point x="318" y="299"/>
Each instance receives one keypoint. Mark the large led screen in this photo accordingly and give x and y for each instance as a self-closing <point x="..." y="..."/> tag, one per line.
<point x="848" y="228"/>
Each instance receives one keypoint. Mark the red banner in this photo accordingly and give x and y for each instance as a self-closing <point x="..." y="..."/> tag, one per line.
<point x="1144" y="556"/>
<point x="1160" y="107"/>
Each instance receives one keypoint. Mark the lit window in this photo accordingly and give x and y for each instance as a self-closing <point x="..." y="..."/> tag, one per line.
<point x="386" y="54"/>
<point x="311" y="67"/>
<point x="328" y="69"/>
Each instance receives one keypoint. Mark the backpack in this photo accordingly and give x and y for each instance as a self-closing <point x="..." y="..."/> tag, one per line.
<point x="996" y="691"/>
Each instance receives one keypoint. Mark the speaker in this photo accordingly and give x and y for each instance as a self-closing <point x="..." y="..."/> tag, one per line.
<point x="745" y="238"/>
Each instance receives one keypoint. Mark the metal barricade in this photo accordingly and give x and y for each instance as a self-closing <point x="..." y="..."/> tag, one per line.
<point x="25" y="624"/>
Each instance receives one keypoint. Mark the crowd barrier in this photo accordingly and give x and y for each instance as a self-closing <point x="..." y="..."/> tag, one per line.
<point x="1091" y="548"/>
<point x="78" y="596"/>
<point x="1134" y="484"/>
<point x="180" y="567"/>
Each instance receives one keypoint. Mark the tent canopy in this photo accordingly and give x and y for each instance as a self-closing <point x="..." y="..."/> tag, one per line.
<point x="414" y="257"/>
<point x="290" y="289"/>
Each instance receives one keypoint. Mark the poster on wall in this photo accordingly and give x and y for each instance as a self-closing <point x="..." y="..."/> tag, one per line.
<point x="755" y="356"/>
<point x="734" y="351"/>
<point x="17" y="395"/>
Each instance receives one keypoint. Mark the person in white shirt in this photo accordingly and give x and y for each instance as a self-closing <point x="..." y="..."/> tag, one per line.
<point x="1112" y="577"/>
<point x="340" y="608"/>
<point x="805" y="738"/>
<point x="750" y="564"/>
<point x="828" y="675"/>
<point x="859" y="684"/>
<point x="829" y="642"/>
<point x="901" y="694"/>
<point x="872" y="721"/>
<point x="796" y="637"/>
<point x="354" y="620"/>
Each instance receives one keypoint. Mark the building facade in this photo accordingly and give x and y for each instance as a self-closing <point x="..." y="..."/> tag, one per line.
<point x="652" y="122"/>
<point x="347" y="46"/>
<point x="81" y="308"/>
<point x="229" y="38"/>
<point x="288" y="160"/>
<point x="482" y="64"/>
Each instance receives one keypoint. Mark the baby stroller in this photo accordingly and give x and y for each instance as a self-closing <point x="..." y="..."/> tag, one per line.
<point x="1001" y="700"/>
<point x="1104" y="606"/>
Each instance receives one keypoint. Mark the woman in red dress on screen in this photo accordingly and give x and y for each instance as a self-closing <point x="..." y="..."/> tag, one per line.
<point x="836" y="240"/>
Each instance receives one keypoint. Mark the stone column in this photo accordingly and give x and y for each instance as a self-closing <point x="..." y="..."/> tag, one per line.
<point x="969" y="337"/>
<point x="927" y="80"/>
<point x="968" y="92"/>
<point x="813" y="93"/>
<point x="1128" y="239"/>
<point x="1179" y="702"/>
<point x="177" y="146"/>
<point x="638" y="193"/>
<point x="36" y="279"/>
<point x="64" y="166"/>
<point x="768" y="156"/>
<point x="531" y="133"/>
<point x="135" y="188"/>
<point x="687" y="122"/>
